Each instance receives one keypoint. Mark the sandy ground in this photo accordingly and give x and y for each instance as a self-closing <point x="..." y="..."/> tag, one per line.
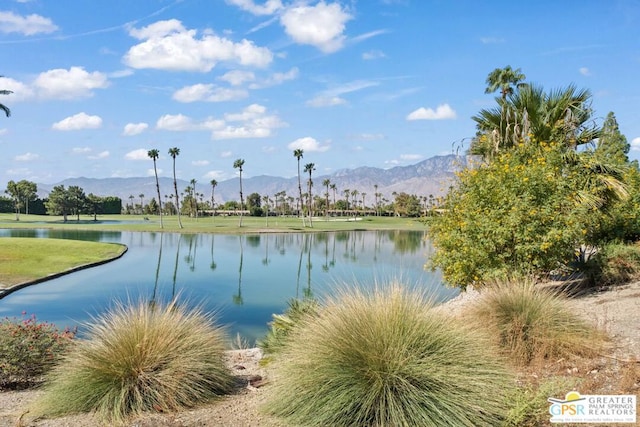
<point x="617" y="312"/>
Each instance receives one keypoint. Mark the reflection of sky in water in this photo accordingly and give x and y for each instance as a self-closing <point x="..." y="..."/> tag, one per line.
<point x="244" y="279"/>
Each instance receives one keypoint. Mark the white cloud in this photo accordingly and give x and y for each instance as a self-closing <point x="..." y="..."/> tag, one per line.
<point x="168" y="45"/>
<point x="584" y="71"/>
<point x="373" y="54"/>
<point x="268" y="8"/>
<point x="100" y="155"/>
<point x="225" y="154"/>
<point x="255" y="123"/>
<point x="80" y="150"/>
<point x="321" y="25"/>
<point x="69" y="84"/>
<point x="237" y="77"/>
<point x="308" y="144"/>
<point x="177" y="122"/>
<point x="326" y="101"/>
<point x="131" y="129"/>
<point x="208" y="93"/>
<point x="78" y="122"/>
<point x="28" y="25"/>
<point x="332" y="96"/>
<point x="139" y="154"/>
<point x="4" y="131"/>
<point x="21" y="91"/>
<point x="411" y="156"/>
<point x="442" y="112"/>
<point x="369" y="136"/>
<point x="635" y="144"/>
<point x="200" y="162"/>
<point x="276" y="79"/>
<point x="26" y="157"/>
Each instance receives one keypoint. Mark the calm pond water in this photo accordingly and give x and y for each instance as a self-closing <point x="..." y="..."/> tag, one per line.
<point x="243" y="278"/>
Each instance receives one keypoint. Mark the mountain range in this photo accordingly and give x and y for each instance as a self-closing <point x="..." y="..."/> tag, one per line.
<point x="432" y="176"/>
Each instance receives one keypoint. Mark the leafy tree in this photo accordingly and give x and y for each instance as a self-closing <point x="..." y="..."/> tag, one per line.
<point x="77" y="200"/>
<point x="612" y="146"/>
<point x="174" y="152"/>
<point x="154" y="154"/>
<point x="21" y="193"/>
<point x="94" y="205"/>
<point x="59" y="202"/>
<point x="407" y="205"/>
<point x="254" y="204"/>
<point x="238" y="164"/>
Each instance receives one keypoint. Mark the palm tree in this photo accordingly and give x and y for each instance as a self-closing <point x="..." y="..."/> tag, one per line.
<point x="154" y="154"/>
<point x="326" y="183"/>
<point x="346" y="192"/>
<point x="530" y="114"/>
<point x="238" y="165"/>
<point x="214" y="184"/>
<point x="502" y="79"/>
<point x="334" y="187"/>
<point x="309" y="167"/>
<point x="3" y="107"/>
<point x="141" y="202"/>
<point x="174" y="152"/>
<point x="195" y="195"/>
<point x="298" y="154"/>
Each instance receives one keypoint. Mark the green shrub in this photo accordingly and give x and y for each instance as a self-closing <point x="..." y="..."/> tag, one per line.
<point x="282" y="324"/>
<point x="531" y="323"/>
<point x="137" y="358"/>
<point x="383" y="358"/>
<point x="28" y="349"/>
<point x="529" y="404"/>
<point x="616" y="264"/>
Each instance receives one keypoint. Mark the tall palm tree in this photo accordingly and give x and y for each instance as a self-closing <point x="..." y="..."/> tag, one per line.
<point x="326" y="183"/>
<point x="174" y="152"/>
<point x="334" y="188"/>
<point x="309" y="167"/>
<point x="504" y="79"/>
<point x="195" y="195"/>
<point x="238" y="165"/>
<point x="214" y="184"/>
<point x="3" y="107"/>
<point x="298" y="154"/>
<point x="154" y="154"/>
<point x="141" y="202"/>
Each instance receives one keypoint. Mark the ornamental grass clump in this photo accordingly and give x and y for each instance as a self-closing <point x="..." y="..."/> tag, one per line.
<point x="384" y="358"/>
<point x="137" y="358"/>
<point x="532" y="323"/>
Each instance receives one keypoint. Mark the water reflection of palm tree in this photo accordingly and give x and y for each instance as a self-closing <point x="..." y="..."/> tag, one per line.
<point x="213" y="264"/>
<point x="266" y="260"/>
<point x="175" y="268"/>
<point x="237" y="299"/>
<point x="325" y="266"/>
<point x="308" y="293"/>
<point x="155" y="285"/>
<point x="190" y="259"/>
<point x="299" y="270"/>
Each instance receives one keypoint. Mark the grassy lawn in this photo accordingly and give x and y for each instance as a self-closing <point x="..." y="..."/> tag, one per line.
<point x="26" y="259"/>
<point x="211" y="224"/>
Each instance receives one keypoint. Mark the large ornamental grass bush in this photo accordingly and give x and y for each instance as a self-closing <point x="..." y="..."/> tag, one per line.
<point x="136" y="358"/>
<point x="28" y="349"/>
<point x="384" y="358"/>
<point x="532" y="323"/>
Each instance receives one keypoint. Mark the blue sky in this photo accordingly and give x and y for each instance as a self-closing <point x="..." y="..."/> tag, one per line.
<point x="375" y="83"/>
